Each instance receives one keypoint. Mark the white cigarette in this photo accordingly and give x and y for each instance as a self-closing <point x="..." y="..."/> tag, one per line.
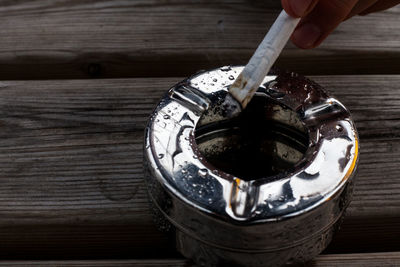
<point x="265" y="56"/>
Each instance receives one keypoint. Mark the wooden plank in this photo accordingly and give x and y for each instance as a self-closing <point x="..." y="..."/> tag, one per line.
<point x="361" y="259"/>
<point x="71" y="167"/>
<point x="147" y="38"/>
<point x="135" y="263"/>
<point x="333" y="260"/>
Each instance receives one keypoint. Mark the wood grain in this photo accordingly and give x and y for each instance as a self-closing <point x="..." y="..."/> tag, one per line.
<point x="47" y="39"/>
<point x="71" y="183"/>
<point x="334" y="260"/>
<point x="361" y="260"/>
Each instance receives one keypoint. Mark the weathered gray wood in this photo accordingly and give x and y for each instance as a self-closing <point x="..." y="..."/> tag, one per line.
<point x="71" y="167"/>
<point x="147" y="38"/>
<point x="361" y="260"/>
<point x="333" y="260"/>
<point x="135" y="263"/>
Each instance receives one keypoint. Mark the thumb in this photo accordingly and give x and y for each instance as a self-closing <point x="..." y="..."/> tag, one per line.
<point x="321" y="21"/>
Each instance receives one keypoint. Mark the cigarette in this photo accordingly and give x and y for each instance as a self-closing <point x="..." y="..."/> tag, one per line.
<point x="250" y="79"/>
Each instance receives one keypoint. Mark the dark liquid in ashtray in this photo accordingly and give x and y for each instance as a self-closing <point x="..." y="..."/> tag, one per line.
<point x="265" y="140"/>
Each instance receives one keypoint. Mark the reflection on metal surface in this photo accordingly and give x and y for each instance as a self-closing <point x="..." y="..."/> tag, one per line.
<point x="264" y="187"/>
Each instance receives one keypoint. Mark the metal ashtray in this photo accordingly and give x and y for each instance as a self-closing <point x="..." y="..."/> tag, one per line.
<point x="266" y="188"/>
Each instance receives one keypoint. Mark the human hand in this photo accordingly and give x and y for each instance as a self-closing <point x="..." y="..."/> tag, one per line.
<point x="321" y="17"/>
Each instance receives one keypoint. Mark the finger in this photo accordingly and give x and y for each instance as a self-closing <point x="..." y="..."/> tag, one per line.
<point x="380" y="5"/>
<point x="321" y="21"/>
<point x="298" y="8"/>
<point x="360" y="7"/>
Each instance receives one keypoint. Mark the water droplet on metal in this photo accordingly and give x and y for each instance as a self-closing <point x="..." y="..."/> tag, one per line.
<point x="308" y="99"/>
<point x="273" y="91"/>
<point x="231" y="77"/>
<point x="160" y="156"/>
<point x="203" y="172"/>
<point x="339" y="128"/>
<point x="166" y="117"/>
<point x="226" y="68"/>
<point x="215" y="80"/>
<point x="312" y="143"/>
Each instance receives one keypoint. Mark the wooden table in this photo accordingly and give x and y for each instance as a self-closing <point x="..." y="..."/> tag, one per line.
<point x="79" y="79"/>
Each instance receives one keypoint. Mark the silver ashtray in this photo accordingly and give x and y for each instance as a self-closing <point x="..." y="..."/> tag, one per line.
<point x="266" y="188"/>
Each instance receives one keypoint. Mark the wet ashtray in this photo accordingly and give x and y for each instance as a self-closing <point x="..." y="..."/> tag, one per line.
<point x="268" y="186"/>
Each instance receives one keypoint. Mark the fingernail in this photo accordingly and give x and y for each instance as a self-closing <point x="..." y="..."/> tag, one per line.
<point x="299" y="7"/>
<point x="306" y="35"/>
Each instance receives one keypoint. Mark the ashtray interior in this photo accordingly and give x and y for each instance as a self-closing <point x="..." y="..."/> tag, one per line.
<point x="265" y="140"/>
